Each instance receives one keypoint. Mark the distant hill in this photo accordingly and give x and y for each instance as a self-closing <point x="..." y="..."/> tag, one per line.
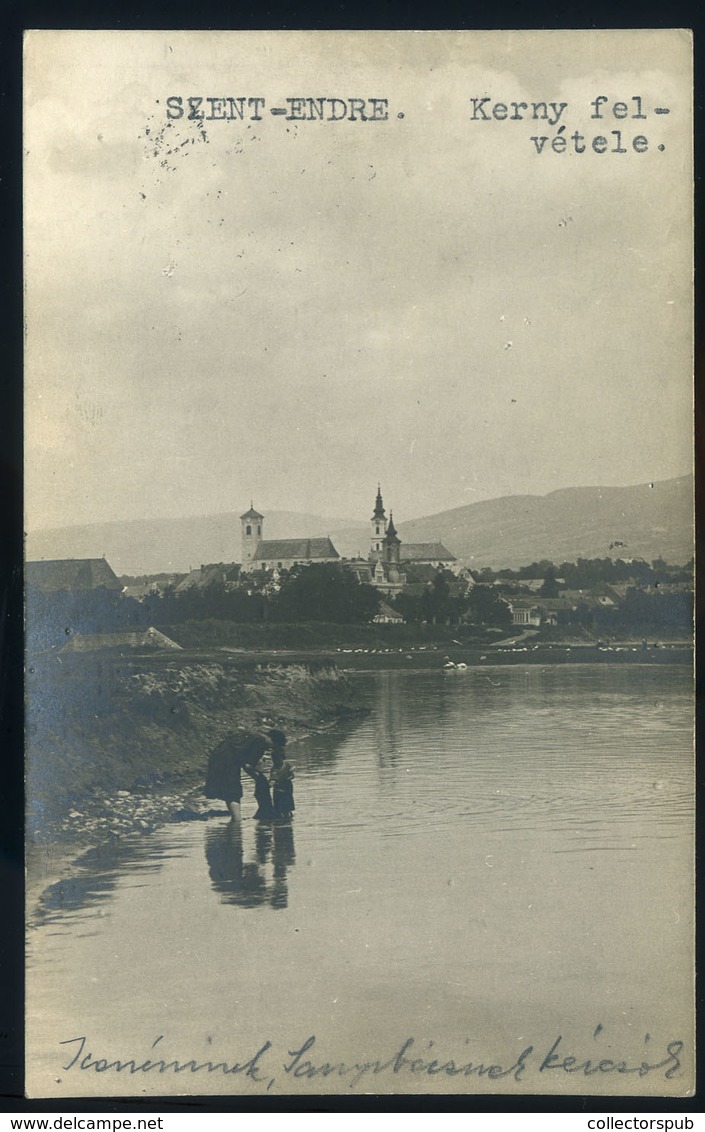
<point x="650" y="520"/>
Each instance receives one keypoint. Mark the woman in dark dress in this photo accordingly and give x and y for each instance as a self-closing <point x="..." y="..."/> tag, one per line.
<point x="238" y="750"/>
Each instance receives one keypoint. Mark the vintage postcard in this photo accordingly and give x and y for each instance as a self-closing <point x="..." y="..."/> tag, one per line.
<point x="359" y="515"/>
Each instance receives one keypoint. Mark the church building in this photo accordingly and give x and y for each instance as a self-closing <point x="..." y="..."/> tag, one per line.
<point x="383" y="558"/>
<point x="259" y="553"/>
<point x="385" y="568"/>
<point x="390" y="559"/>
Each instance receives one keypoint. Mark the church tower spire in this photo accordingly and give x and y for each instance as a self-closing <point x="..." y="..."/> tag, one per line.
<point x="392" y="543"/>
<point x="379" y="528"/>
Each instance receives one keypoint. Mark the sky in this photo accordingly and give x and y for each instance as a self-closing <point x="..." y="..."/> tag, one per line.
<point x="290" y="311"/>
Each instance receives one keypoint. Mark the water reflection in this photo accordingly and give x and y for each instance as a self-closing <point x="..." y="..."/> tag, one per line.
<point x="318" y="754"/>
<point x="97" y="874"/>
<point x="389" y="721"/>
<point x="565" y="750"/>
<point x="261" y="880"/>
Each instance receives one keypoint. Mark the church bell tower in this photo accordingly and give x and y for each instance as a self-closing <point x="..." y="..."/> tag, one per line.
<point x="392" y="542"/>
<point x="252" y="524"/>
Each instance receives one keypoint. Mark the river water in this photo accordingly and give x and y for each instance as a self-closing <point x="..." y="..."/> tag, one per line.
<point x="490" y="861"/>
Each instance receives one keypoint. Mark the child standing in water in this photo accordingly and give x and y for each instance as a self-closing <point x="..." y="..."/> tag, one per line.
<point x="263" y="798"/>
<point x="281" y="776"/>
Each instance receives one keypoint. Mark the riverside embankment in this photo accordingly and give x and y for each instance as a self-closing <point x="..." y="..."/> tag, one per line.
<point x="378" y="646"/>
<point x="117" y="744"/>
<point x="526" y="651"/>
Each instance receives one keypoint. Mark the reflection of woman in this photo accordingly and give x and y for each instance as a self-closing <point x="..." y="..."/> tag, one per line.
<point x="225" y="764"/>
<point x="243" y="883"/>
<point x="237" y="882"/>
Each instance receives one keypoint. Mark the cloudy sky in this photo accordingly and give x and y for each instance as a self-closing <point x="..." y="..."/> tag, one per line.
<point x="288" y="312"/>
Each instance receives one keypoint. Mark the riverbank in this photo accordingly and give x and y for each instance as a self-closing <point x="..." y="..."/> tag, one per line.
<point x="377" y="646"/>
<point x="524" y="651"/>
<point x="118" y="745"/>
<point x="106" y="721"/>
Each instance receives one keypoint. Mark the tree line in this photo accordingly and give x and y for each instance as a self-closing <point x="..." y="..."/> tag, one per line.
<point x="331" y="593"/>
<point x="586" y="573"/>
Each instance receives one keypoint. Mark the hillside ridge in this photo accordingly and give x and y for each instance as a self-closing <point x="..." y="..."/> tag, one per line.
<point x="637" y="521"/>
